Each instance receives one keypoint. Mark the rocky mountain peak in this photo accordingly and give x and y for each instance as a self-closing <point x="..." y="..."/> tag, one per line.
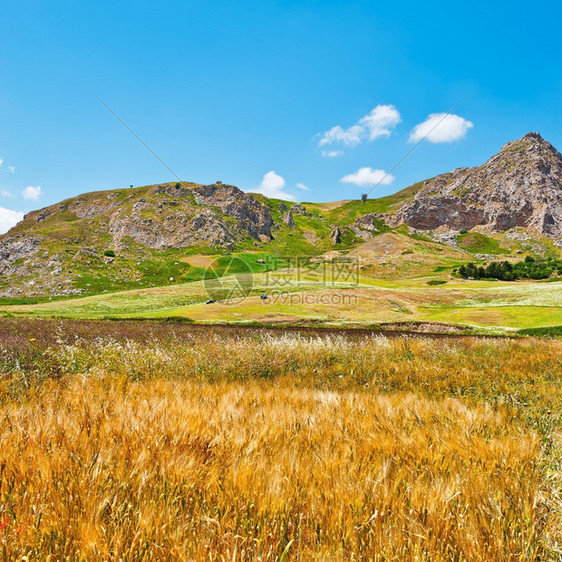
<point x="520" y="186"/>
<point x="533" y="135"/>
<point x="531" y="143"/>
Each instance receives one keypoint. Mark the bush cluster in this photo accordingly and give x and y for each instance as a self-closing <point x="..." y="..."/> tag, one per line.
<point x="529" y="268"/>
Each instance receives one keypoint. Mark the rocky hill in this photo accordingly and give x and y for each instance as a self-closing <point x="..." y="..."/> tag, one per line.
<point x="521" y="186"/>
<point x="116" y="239"/>
<point x="111" y="240"/>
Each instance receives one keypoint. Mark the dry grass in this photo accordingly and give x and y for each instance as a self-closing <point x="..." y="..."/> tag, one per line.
<point x="212" y="446"/>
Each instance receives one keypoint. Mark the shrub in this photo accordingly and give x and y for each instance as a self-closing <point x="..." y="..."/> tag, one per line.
<point x="526" y="269"/>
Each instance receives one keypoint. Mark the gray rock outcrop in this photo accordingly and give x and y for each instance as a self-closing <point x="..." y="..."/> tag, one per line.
<point x="288" y="219"/>
<point x="335" y="235"/>
<point x="519" y="186"/>
<point x="253" y="217"/>
<point x="16" y="249"/>
<point x="298" y="209"/>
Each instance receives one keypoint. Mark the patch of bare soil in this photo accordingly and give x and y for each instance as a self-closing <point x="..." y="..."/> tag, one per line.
<point x="200" y="260"/>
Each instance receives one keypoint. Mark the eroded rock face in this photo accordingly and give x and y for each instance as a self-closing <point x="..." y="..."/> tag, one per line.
<point x="253" y="217"/>
<point x="519" y="186"/>
<point x="169" y="216"/>
<point x="89" y="210"/>
<point x="336" y="235"/>
<point x="367" y="222"/>
<point x="298" y="209"/>
<point x="16" y="248"/>
<point x="364" y="226"/>
<point x="429" y="213"/>
<point x="288" y="219"/>
<point x="78" y="231"/>
<point x="173" y="190"/>
<point x="177" y="230"/>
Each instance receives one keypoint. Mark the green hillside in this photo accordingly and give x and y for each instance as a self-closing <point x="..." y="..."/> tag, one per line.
<point x="174" y="233"/>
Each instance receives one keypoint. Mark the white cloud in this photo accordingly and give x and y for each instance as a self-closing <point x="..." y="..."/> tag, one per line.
<point x="332" y="153"/>
<point x="6" y="193"/>
<point x="11" y="169"/>
<point x="303" y="187"/>
<point x="272" y="185"/>
<point x="367" y="176"/>
<point x="8" y="218"/>
<point x="441" y="127"/>
<point x="381" y="121"/>
<point x="378" y="123"/>
<point x="350" y="137"/>
<point x="31" y="193"/>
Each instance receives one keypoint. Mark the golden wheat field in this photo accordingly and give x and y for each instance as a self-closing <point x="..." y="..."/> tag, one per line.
<point x="123" y="441"/>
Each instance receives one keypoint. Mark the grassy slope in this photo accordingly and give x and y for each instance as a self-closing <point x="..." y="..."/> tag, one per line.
<point x="64" y="234"/>
<point x="393" y="260"/>
<point x="347" y="211"/>
<point x="296" y="297"/>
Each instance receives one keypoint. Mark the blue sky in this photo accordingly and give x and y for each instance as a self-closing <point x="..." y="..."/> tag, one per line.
<point x="270" y="95"/>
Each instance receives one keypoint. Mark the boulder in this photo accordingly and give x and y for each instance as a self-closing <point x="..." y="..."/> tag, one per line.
<point x="288" y="219"/>
<point x="336" y="235"/>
